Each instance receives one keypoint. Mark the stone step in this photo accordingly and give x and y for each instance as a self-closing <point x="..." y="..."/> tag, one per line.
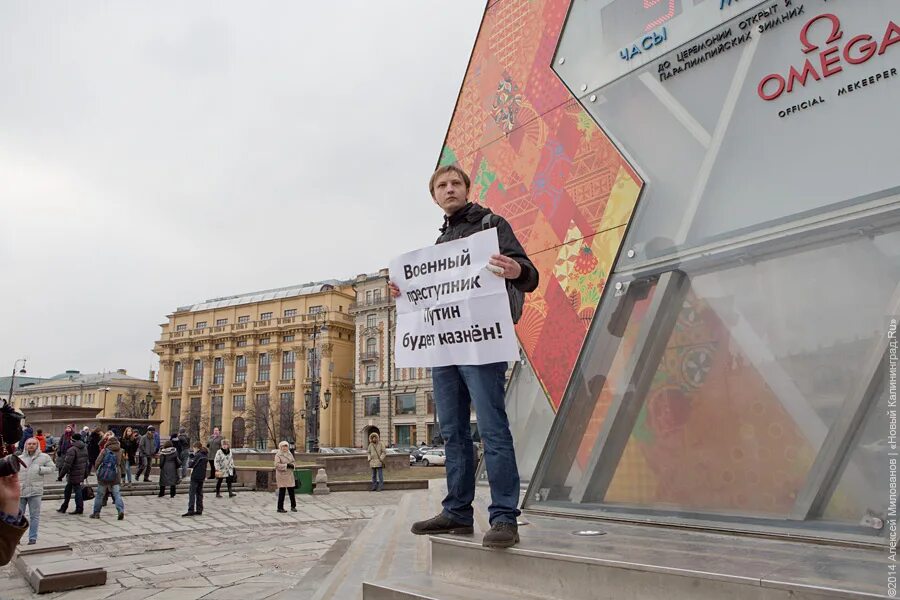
<point x="365" y="486"/>
<point x="55" y="569"/>
<point x="635" y="561"/>
<point x="150" y="490"/>
<point x="426" y="587"/>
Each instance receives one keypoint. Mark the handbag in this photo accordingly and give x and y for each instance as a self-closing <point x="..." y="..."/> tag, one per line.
<point x="87" y="493"/>
<point x="219" y="474"/>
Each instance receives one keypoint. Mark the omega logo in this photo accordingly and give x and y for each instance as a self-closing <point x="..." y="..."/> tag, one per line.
<point x="856" y="51"/>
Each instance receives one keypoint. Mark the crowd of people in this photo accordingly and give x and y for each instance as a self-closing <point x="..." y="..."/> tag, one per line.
<point x="111" y="460"/>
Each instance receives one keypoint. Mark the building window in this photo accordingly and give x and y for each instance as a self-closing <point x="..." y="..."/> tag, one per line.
<point x="244" y="319"/>
<point x="218" y="371"/>
<point x="220" y="346"/>
<point x="261" y="420"/>
<point x="405" y="435"/>
<point x="175" y="413"/>
<point x="373" y="405"/>
<point x="429" y="405"/>
<point x="194" y="419"/>
<point x="240" y="369"/>
<point x="220" y="322"/>
<point x="198" y="348"/>
<point x="197" y="376"/>
<point x="178" y="349"/>
<point x="264" y="364"/>
<point x="286" y="417"/>
<point x="371" y="320"/>
<point x="370" y="374"/>
<point x="376" y="296"/>
<point x="200" y="325"/>
<point x="287" y="364"/>
<point x="241" y="343"/>
<point x="287" y="338"/>
<point x="182" y="327"/>
<point x="237" y="402"/>
<point x="368" y="296"/>
<point x="406" y="404"/>
<point x="290" y="312"/>
<point x="177" y="375"/>
<point x="318" y="308"/>
<point x="265" y="316"/>
<point x="215" y="413"/>
<point x="264" y="341"/>
<point x="428" y="372"/>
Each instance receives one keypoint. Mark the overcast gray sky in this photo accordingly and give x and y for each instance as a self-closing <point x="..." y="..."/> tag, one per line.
<point x="159" y="153"/>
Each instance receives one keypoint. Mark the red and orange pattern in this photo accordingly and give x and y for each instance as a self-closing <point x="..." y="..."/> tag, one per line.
<point x="536" y="158"/>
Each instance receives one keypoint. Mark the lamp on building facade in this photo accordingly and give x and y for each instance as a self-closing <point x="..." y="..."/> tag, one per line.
<point x="312" y="395"/>
<point x="12" y="381"/>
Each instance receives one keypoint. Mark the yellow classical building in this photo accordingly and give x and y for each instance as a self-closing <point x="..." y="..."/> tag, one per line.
<point x="248" y="364"/>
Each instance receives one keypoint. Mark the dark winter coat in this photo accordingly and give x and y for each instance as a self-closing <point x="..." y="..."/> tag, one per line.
<point x="467" y="221"/>
<point x="214" y="445"/>
<point x="114" y="447"/>
<point x="198" y="464"/>
<point x="93" y="446"/>
<point x="169" y="464"/>
<point x="129" y="446"/>
<point x="185" y="443"/>
<point x="76" y="462"/>
<point x="27" y="434"/>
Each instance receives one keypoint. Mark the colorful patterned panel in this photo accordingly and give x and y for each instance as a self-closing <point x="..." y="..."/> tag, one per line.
<point x="537" y="158"/>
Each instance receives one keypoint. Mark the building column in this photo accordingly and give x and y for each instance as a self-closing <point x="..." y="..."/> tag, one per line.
<point x="205" y="398"/>
<point x="299" y="397"/>
<point x="187" y="372"/>
<point x="327" y="427"/>
<point x="274" y="393"/>
<point x="165" y="382"/>
<point x="227" y="403"/>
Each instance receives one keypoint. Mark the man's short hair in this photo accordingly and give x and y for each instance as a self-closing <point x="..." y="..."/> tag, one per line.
<point x="448" y="169"/>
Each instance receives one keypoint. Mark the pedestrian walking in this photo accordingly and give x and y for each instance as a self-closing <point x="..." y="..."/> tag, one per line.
<point x="75" y="469"/>
<point x="65" y="442"/>
<point x="224" y="465"/>
<point x="27" y="434"/>
<point x="31" y="482"/>
<point x="185" y="450"/>
<point x="146" y="450"/>
<point x="169" y="468"/>
<point x="42" y="441"/>
<point x="284" y="475"/>
<point x="108" y="467"/>
<point x="458" y="387"/>
<point x="198" y="474"/>
<point x="129" y="447"/>
<point x="93" y="447"/>
<point x="214" y="444"/>
<point x="377" y="454"/>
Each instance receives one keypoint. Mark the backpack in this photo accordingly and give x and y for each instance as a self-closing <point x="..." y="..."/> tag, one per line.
<point x="516" y="296"/>
<point x="107" y="470"/>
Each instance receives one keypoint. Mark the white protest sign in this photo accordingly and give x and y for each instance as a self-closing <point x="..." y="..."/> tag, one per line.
<point x="452" y="310"/>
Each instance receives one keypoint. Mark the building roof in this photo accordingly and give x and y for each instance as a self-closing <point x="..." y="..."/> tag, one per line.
<point x="87" y="379"/>
<point x="263" y="295"/>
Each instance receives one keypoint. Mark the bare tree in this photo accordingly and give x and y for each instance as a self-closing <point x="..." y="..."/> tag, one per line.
<point x="128" y="405"/>
<point x="260" y="422"/>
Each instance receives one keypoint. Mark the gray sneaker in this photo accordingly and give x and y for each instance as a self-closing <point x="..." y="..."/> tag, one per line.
<point x="441" y="524"/>
<point x="501" y="535"/>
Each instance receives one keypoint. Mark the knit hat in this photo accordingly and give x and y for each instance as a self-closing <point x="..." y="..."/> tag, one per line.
<point x="76" y="436"/>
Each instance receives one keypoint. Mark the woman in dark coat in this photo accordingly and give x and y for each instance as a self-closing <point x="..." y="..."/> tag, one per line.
<point x="93" y="447"/>
<point x="129" y="447"/>
<point x="169" y="464"/>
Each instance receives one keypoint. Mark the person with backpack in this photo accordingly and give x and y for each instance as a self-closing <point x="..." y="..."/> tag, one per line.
<point x="109" y="465"/>
<point x="74" y="467"/>
<point x="458" y="387"/>
<point x="198" y="474"/>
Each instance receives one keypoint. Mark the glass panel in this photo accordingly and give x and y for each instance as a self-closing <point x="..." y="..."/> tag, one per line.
<point x="862" y="490"/>
<point x="758" y="363"/>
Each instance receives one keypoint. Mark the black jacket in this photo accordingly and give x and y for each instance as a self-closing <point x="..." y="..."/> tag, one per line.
<point x="198" y="465"/>
<point x="467" y="221"/>
<point x="169" y="464"/>
<point x="129" y="446"/>
<point x="76" y="462"/>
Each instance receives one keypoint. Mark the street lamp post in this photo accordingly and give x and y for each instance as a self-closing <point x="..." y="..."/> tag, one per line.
<point x="312" y="395"/>
<point x="12" y="380"/>
<point x="104" y="390"/>
<point x="148" y="406"/>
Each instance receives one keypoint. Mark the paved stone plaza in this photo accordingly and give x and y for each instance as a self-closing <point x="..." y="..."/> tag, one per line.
<point x="238" y="548"/>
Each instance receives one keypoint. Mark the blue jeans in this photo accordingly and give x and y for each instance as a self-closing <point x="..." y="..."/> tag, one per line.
<point x="101" y="492"/>
<point x="34" y="514"/>
<point x="456" y="388"/>
<point x="127" y="470"/>
<point x="377" y="478"/>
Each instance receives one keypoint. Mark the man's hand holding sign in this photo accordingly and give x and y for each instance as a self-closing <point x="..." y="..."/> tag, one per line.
<point x="456" y="302"/>
<point x="451" y="307"/>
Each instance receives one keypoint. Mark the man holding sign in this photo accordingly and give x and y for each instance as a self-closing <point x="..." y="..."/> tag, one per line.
<point x="454" y="308"/>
